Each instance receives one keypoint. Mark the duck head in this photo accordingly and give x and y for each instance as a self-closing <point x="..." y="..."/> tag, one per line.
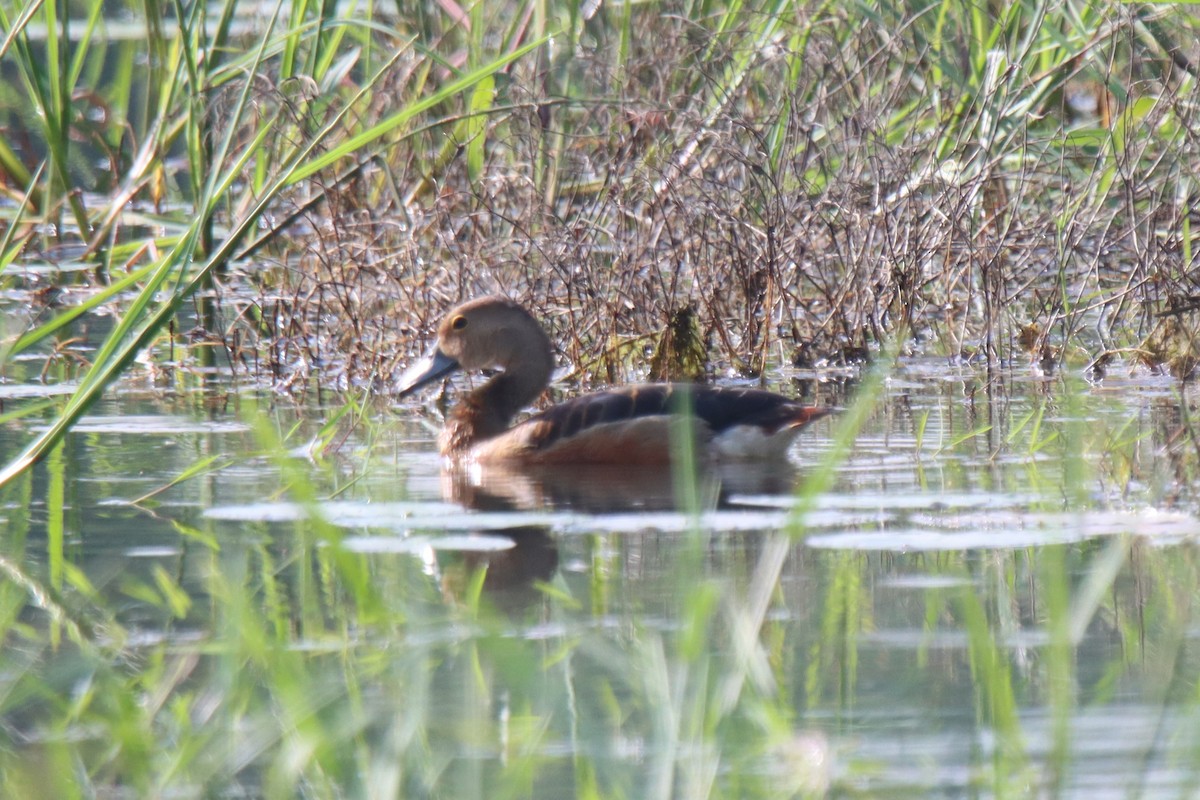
<point x="487" y="333"/>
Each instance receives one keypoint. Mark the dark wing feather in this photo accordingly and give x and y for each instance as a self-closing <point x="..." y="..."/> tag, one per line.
<point x="569" y="418"/>
<point x="719" y="407"/>
<point x="723" y="407"/>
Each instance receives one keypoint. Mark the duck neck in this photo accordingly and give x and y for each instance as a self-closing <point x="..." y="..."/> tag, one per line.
<point x="488" y="411"/>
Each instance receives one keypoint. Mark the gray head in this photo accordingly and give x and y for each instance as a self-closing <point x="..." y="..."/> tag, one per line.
<point x="487" y="333"/>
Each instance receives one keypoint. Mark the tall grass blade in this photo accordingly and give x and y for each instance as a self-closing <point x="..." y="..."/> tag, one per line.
<point x="140" y="325"/>
<point x="370" y="136"/>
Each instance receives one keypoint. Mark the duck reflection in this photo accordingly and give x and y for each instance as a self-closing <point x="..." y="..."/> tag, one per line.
<point x="513" y="574"/>
<point x="611" y="489"/>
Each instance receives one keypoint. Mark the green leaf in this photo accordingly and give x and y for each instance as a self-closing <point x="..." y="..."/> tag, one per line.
<point x="481" y="103"/>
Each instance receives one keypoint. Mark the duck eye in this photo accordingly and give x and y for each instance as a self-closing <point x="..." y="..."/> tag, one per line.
<point x="458" y="323"/>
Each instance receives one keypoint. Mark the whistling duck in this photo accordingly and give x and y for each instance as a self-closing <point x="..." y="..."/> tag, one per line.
<point x="626" y="425"/>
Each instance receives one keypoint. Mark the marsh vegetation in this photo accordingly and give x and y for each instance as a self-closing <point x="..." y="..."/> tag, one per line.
<point x="230" y="568"/>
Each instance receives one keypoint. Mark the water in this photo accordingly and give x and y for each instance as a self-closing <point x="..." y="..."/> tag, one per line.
<point x="991" y="598"/>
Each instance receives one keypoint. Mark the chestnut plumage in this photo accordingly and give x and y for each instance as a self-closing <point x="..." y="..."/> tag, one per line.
<point x="624" y="425"/>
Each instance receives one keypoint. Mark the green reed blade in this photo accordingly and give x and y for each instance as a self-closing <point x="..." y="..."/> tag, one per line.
<point x="481" y="101"/>
<point x="203" y="466"/>
<point x="368" y="137"/>
<point x="93" y="302"/>
<point x="140" y="325"/>
<point x="18" y="25"/>
<point x="9" y="252"/>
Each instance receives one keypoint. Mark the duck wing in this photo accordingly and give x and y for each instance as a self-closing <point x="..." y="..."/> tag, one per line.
<point x="632" y="423"/>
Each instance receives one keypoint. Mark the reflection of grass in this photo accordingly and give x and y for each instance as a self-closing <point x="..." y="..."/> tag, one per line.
<point x="830" y="176"/>
<point x="804" y="182"/>
<point x="698" y="664"/>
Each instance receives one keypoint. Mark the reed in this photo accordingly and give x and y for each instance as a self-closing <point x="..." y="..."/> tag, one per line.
<point x="814" y="182"/>
<point x="907" y="176"/>
<point x="270" y="657"/>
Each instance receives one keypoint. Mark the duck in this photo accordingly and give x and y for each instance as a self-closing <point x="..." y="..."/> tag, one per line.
<point x="622" y="425"/>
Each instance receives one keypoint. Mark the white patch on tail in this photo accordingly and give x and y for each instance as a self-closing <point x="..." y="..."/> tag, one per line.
<point x="752" y="443"/>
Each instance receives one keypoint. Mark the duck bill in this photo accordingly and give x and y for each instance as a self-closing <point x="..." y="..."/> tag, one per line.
<point x="433" y="366"/>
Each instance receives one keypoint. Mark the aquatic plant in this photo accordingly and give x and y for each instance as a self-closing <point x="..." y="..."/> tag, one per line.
<point x="807" y="178"/>
<point x="303" y="193"/>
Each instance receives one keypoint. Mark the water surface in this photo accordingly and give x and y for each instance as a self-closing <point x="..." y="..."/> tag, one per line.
<point x="991" y="598"/>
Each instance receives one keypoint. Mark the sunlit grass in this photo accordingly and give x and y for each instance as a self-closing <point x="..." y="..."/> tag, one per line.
<point x="849" y="176"/>
<point x="265" y="657"/>
<point x="313" y="135"/>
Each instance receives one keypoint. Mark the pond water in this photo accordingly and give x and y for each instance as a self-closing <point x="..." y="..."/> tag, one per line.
<point x="990" y="595"/>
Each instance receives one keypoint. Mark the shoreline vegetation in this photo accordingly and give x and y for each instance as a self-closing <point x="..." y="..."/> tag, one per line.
<point x="963" y="589"/>
<point x="710" y="189"/>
